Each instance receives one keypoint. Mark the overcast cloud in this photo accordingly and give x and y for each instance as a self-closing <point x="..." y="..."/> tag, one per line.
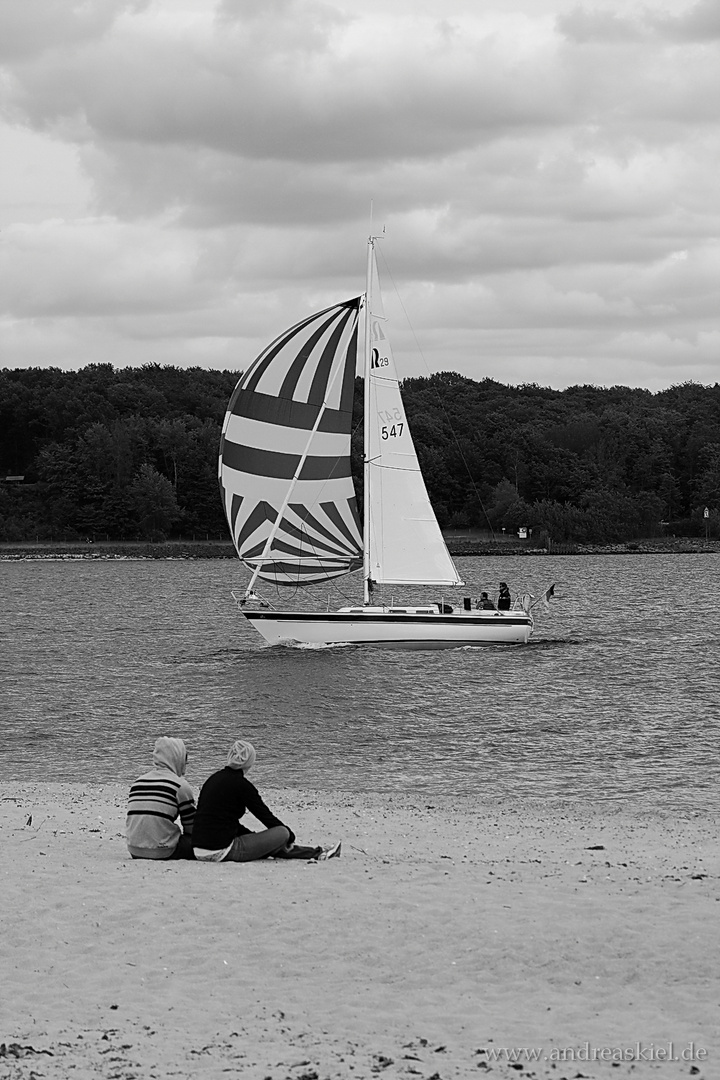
<point x="182" y="179"/>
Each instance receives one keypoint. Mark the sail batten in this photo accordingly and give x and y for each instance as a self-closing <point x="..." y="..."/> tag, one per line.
<point x="284" y="465"/>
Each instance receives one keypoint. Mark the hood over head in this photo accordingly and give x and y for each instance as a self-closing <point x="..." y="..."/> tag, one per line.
<point x="170" y="754"/>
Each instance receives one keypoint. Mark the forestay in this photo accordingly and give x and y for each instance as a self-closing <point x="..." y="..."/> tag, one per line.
<point x="284" y="466"/>
<point x="405" y="543"/>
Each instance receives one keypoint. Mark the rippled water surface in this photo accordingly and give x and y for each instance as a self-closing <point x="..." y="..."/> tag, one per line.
<point x="617" y="697"/>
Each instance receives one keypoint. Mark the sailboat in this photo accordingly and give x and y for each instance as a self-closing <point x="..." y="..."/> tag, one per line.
<point x="287" y="490"/>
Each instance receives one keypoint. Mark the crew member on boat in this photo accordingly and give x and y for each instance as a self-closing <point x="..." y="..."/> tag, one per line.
<point x="504" y="599"/>
<point x="485" y="603"/>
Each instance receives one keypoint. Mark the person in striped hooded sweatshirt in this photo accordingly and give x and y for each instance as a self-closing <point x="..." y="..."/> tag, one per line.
<point x="157" y="799"/>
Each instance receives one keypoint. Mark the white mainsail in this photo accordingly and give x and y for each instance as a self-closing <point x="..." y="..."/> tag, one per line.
<point x="284" y="467"/>
<point x="404" y="542"/>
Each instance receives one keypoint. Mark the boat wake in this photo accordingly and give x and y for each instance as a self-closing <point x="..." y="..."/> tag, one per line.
<point x="550" y="643"/>
<point x="314" y="646"/>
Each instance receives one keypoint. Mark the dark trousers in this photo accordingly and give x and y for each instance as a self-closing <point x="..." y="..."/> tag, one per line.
<point x="184" y="849"/>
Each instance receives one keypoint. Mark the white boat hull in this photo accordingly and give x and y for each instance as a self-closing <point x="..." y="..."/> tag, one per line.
<point x="393" y="628"/>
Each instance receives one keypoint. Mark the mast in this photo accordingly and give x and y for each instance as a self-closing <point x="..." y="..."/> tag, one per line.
<point x="366" y="423"/>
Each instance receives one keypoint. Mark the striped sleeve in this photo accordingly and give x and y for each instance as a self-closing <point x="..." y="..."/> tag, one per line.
<point x="186" y="806"/>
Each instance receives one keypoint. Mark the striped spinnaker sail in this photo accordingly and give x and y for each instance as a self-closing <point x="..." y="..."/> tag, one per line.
<point x="284" y="466"/>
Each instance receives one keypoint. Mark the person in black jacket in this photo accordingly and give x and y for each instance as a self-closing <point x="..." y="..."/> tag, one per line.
<point x="219" y="836"/>
<point x="504" y="599"/>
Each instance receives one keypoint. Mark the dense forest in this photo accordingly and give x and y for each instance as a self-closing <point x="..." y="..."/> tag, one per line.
<point x="131" y="454"/>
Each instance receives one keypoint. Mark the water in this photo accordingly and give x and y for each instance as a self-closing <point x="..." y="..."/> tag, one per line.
<point x="615" y="699"/>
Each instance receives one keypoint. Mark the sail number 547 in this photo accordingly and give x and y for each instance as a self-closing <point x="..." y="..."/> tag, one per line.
<point x="392" y="432"/>
<point x="393" y="426"/>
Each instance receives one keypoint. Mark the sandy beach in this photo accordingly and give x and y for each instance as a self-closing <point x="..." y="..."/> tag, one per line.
<point x="447" y="940"/>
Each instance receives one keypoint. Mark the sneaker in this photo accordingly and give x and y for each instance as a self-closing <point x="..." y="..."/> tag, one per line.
<point x="333" y="852"/>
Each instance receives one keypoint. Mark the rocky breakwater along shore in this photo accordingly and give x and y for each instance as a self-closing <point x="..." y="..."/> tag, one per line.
<point x="170" y="549"/>
<point x="681" y="545"/>
<point x="458" y="545"/>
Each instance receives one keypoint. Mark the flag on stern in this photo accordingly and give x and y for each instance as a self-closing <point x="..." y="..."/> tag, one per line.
<point x="546" y="597"/>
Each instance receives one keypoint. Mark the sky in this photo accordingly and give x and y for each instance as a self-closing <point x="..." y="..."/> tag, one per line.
<point x="180" y="180"/>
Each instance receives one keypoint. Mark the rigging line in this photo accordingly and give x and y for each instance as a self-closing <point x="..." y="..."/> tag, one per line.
<point x="327" y="581"/>
<point x="314" y="505"/>
<point x="437" y="394"/>
<point x="334" y="583"/>
<point x="298" y="584"/>
<point x="332" y="376"/>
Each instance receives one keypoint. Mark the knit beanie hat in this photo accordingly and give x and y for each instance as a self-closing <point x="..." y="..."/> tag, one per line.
<point x="241" y="755"/>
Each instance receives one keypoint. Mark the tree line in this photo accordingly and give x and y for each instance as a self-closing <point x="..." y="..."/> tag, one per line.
<point x="131" y="454"/>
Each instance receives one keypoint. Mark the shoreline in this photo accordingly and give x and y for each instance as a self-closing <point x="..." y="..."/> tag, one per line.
<point x="446" y="933"/>
<point x="457" y="546"/>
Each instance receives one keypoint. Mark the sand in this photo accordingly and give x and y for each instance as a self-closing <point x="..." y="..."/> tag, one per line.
<point x="444" y="940"/>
